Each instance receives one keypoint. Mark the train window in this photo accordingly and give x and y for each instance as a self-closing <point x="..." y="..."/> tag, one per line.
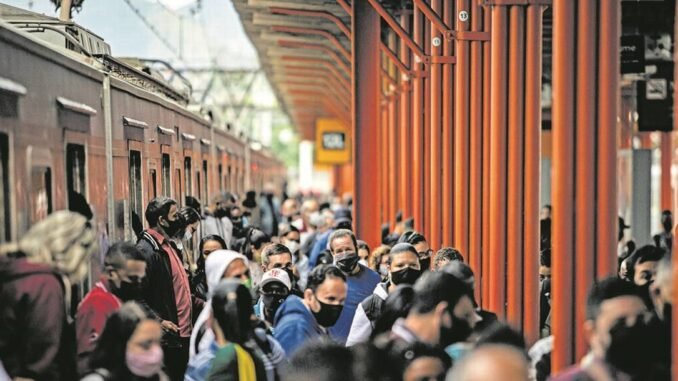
<point x="220" y="170"/>
<point x="228" y="177"/>
<point x="187" y="171"/>
<point x="9" y="105"/>
<point x="75" y="169"/>
<point x="135" y="200"/>
<point x="166" y="175"/>
<point x="154" y="183"/>
<point x="4" y="189"/>
<point x="41" y="193"/>
<point x="204" y="180"/>
<point x="73" y="115"/>
<point x="177" y="186"/>
<point x="198" y="184"/>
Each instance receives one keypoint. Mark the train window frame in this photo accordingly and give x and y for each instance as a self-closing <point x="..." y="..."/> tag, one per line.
<point x="5" y="189"/>
<point x="220" y="174"/>
<point x="10" y="92"/>
<point x="44" y="172"/>
<point x="153" y="186"/>
<point x="177" y="186"/>
<point x="73" y="115"/>
<point x="74" y="166"/>
<point x="205" y="179"/>
<point x="199" y="185"/>
<point x="135" y="169"/>
<point x="166" y="174"/>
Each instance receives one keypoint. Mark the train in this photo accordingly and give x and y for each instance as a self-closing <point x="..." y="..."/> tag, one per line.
<point x="82" y="129"/>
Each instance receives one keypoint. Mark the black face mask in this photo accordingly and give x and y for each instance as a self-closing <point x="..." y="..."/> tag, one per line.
<point x="347" y="261"/>
<point x="328" y="314"/>
<point x="629" y="347"/>
<point x="407" y="275"/>
<point x="172" y="227"/>
<point x="271" y="303"/>
<point x="425" y="264"/>
<point x="644" y="292"/>
<point x="128" y="291"/>
<point x="460" y="331"/>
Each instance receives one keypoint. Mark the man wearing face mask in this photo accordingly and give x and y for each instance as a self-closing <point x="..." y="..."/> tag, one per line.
<point x="121" y="280"/>
<point x="618" y="335"/>
<point x="274" y="289"/>
<point x="423" y="248"/>
<point x="301" y="320"/>
<point x="361" y="280"/>
<point x="442" y="314"/>
<point x="278" y="256"/>
<point x="403" y="268"/>
<point x="216" y="219"/>
<point x="166" y="292"/>
<point x="291" y="237"/>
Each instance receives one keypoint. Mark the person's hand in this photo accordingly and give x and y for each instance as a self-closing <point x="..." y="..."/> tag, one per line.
<point x="169" y="326"/>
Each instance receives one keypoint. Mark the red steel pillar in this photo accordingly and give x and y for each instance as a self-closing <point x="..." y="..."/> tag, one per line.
<point x="448" y="145"/>
<point x="563" y="182"/>
<point x="365" y="68"/>
<point x="498" y="122"/>
<point x="392" y="147"/>
<point x="514" y="194"/>
<point x="485" y="201"/>
<point x="533" y="72"/>
<point x="462" y="128"/>
<point x="418" y="152"/>
<point x="435" y="146"/>
<point x="665" y="148"/>
<point x="405" y="125"/>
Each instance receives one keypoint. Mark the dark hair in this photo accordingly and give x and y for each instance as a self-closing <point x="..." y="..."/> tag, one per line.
<point x="397" y="305"/>
<point x="362" y="245"/>
<point x="449" y="253"/>
<point x="417" y="350"/>
<point x="607" y="289"/>
<point x="545" y="257"/>
<point x="501" y="333"/>
<point x="286" y="229"/>
<point x="371" y="363"/>
<point x="274" y="249"/>
<point x="320" y="360"/>
<point x="111" y="347"/>
<point x="158" y="207"/>
<point x="232" y="309"/>
<point x="401" y="248"/>
<point x="461" y="271"/>
<point x="434" y="287"/>
<point x="647" y="253"/>
<point x="210" y="237"/>
<point x="412" y="237"/>
<point x="340" y="233"/>
<point x="121" y="252"/>
<point x="321" y="273"/>
<point x="254" y="240"/>
<point x="325" y="258"/>
<point x="192" y="202"/>
<point x="189" y="215"/>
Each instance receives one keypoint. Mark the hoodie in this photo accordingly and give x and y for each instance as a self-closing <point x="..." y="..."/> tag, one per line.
<point x="216" y="265"/>
<point x="295" y="325"/>
<point x="33" y="340"/>
<point x="366" y="315"/>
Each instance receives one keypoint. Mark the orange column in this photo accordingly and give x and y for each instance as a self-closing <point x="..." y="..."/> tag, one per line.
<point x="435" y="111"/>
<point x="497" y="223"/>
<point x="448" y="145"/>
<point x="418" y="157"/>
<point x="608" y="96"/>
<point x="665" y="182"/>
<point x="393" y="157"/>
<point x="485" y="248"/>
<point x="563" y="183"/>
<point x="365" y="81"/>
<point x="475" y="150"/>
<point x="405" y="125"/>
<point x="514" y="201"/>
<point x="585" y="155"/>
<point x="461" y="133"/>
<point x="533" y="54"/>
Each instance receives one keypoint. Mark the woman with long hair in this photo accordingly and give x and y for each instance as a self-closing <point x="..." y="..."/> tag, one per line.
<point x="255" y="241"/>
<point x="129" y="348"/>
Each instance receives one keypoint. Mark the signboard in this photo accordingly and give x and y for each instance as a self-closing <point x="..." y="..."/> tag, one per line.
<point x="632" y="54"/>
<point x="332" y="143"/>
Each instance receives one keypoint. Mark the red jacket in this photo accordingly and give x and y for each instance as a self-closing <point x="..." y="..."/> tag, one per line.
<point x="93" y="311"/>
<point x="34" y="340"/>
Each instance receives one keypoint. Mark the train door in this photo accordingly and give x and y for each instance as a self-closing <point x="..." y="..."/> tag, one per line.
<point x="40" y="196"/>
<point x="76" y="178"/>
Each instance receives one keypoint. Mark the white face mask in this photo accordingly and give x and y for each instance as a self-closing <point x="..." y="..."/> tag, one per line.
<point x="293" y="246"/>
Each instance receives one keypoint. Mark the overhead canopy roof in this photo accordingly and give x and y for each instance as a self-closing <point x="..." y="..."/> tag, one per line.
<point x="305" y="50"/>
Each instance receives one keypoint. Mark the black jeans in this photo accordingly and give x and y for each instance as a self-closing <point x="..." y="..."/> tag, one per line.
<point x="176" y="359"/>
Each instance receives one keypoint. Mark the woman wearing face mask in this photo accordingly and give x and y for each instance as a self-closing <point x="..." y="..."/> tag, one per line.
<point x="208" y="244"/>
<point x="255" y="241"/>
<point x="291" y="237"/>
<point x="378" y="261"/>
<point x="423" y="249"/>
<point x="129" y="348"/>
<point x="221" y="264"/>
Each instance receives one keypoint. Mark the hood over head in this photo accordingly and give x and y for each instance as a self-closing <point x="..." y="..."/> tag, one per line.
<point x="217" y="263"/>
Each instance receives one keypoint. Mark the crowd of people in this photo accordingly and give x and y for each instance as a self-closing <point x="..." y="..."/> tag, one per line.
<point x="257" y="290"/>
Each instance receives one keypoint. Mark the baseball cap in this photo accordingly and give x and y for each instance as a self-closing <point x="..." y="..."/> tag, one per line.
<point x="276" y="275"/>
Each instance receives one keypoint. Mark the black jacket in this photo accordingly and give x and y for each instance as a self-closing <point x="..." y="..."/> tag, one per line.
<point x="158" y="290"/>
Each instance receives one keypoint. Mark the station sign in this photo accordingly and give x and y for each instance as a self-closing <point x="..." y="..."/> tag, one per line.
<point x="332" y="142"/>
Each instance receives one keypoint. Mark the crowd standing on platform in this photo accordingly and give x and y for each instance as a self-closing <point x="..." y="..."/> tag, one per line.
<point x="265" y="289"/>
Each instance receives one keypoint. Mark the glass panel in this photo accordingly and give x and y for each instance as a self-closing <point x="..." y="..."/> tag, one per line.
<point x="135" y="186"/>
<point x="166" y="189"/>
<point x="154" y="183"/>
<point x="4" y="189"/>
<point x="41" y="193"/>
<point x="204" y="180"/>
<point x="187" y="171"/>
<point x="75" y="169"/>
<point x="177" y="187"/>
